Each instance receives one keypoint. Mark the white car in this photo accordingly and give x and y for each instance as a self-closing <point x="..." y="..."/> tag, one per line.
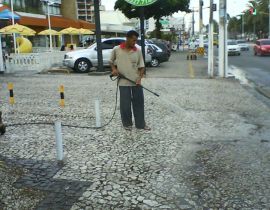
<point x="243" y="45"/>
<point x="233" y="48"/>
<point x="82" y="60"/>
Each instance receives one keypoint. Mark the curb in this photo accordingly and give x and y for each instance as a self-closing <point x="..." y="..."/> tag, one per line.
<point x="264" y="91"/>
<point x="96" y="73"/>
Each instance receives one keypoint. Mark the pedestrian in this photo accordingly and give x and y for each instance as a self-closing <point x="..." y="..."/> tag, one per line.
<point x="63" y="48"/>
<point x="127" y="60"/>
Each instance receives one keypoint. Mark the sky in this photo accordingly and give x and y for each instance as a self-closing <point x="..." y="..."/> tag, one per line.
<point x="234" y="7"/>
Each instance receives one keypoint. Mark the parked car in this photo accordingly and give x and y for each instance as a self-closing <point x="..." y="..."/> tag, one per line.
<point x="233" y="48"/>
<point x="161" y="44"/>
<point x="82" y="60"/>
<point x="262" y="47"/>
<point x="243" y="45"/>
<point x="205" y="44"/>
<point x="158" y="55"/>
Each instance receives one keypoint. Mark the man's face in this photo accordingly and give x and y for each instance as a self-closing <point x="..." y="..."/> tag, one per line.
<point x="131" y="41"/>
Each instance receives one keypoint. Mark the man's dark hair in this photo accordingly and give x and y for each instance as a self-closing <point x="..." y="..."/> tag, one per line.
<point x="132" y="33"/>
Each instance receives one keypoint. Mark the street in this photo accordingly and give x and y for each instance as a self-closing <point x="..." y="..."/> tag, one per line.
<point x="256" y="68"/>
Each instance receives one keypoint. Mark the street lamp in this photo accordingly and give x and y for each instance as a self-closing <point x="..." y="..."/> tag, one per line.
<point x="49" y="19"/>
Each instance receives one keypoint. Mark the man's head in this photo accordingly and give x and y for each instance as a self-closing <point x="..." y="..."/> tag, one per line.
<point x="132" y="37"/>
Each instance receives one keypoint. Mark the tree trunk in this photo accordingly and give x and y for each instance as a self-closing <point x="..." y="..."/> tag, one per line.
<point x="158" y="28"/>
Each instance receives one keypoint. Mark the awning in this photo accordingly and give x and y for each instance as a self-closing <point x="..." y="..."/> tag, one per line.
<point x="37" y="20"/>
<point x="6" y="14"/>
<point x="56" y="22"/>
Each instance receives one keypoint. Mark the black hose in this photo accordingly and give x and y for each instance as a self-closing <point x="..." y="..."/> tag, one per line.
<point x="73" y="126"/>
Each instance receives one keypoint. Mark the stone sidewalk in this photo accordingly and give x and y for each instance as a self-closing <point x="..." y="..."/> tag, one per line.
<point x="208" y="147"/>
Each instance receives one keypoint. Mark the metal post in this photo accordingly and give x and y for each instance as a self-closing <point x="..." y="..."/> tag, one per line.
<point x="59" y="141"/>
<point x="85" y="7"/>
<point x="183" y="26"/>
<point x="142" y="32"/>
<point x="1" y="56"/>
<point x="49" y="22"/>
<point x="223" y="55"/>
<point x="243" y="22"/>
<point x="13" y="22"/>
<point x="201" y="23"/>
<point x="98" y="36"/>
<point x="211" y="43"/>
<point x="193" y="22"/>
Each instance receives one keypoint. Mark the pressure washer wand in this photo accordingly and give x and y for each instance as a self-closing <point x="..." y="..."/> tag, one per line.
<point x="122" y="76"/>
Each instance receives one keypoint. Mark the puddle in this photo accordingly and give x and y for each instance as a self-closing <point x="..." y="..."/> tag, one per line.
<point x="233" y="71"/>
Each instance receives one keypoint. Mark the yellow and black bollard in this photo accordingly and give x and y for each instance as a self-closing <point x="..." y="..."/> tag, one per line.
<point x="2" y="125"/>
<point x="11" y="93"/>
<point x="62" y="96"/>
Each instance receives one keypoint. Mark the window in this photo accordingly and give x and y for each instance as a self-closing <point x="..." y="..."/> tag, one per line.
<point x="118" y="42"/>
<point x="265" y="42"/>
<point x="109" y="44"/>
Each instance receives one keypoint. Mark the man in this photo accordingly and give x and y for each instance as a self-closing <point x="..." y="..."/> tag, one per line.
<point x="127" y="60"/>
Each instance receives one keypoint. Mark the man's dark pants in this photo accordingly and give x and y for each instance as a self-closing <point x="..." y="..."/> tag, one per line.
<point x="132" y="95"/>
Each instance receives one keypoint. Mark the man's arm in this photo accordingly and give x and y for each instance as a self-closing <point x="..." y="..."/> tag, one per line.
<point x="113" y="67"/>
<point x="140" y="69"/>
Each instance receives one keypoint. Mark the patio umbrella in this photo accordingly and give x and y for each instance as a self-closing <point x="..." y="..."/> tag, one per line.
<point x="48" y="32"/>
<point x="17" y="29"/>
<point x="71" y="31"/>
<point x="85" y="31"/>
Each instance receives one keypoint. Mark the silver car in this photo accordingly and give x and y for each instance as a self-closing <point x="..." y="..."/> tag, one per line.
<point x="243" y="45"/>
<point x="82" y="60"/>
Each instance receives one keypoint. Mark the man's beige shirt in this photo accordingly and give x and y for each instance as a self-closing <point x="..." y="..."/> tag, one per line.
<point x="127" y="64"/>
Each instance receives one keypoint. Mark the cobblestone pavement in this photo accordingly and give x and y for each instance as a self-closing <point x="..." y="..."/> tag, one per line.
<point x="208" y="147"/>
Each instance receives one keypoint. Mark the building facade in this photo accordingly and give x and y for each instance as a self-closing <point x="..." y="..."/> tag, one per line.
<point x="79" y="9"/>
<point x="34" y="14"/>
<point x="34" y="6"/>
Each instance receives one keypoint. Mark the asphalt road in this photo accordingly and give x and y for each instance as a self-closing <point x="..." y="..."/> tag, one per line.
<point x="256" y="69"/>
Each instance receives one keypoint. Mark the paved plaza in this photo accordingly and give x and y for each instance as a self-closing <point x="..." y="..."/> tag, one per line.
<point x="208" y="147"/>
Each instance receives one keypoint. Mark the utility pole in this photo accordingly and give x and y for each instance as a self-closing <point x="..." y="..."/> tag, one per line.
<point x="211" y="42"/>
<point x="223" y="54"/>
<point x="142" y="18"/>
<point x="85" y="8"/>
<point x="98" y="36"/>
<point x="243" y="22"/>
<point x="201" y="22"/>
<point x="49" y="23"/>
<point x="193" y="22"/>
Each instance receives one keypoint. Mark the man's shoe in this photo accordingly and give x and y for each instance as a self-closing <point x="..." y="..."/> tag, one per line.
<point x="146" y="128"/>
<point x="128" y="128"/>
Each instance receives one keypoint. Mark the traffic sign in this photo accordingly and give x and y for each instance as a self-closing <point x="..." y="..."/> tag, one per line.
<point x="140" y="3"/>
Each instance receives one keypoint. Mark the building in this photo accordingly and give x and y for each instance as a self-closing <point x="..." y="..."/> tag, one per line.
<point x="34" y="14"/>
<point x="80" y="9"/>
<point x="115" y="23"/>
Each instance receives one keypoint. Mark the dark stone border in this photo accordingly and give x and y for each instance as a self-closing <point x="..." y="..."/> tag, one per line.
<point x="61" y="194"/>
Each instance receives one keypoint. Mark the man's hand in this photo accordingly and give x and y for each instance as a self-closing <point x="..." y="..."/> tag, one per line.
<point x="139" y="81"/>
<point x="115" y="72"/>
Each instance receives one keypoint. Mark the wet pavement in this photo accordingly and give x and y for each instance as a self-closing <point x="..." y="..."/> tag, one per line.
<point x="208" y="147"/>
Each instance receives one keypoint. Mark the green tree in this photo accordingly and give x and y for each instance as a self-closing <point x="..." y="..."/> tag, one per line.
<point x="234" y="27"/>
<point x="157" y="10"/>
<point x="253" y="24"/>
